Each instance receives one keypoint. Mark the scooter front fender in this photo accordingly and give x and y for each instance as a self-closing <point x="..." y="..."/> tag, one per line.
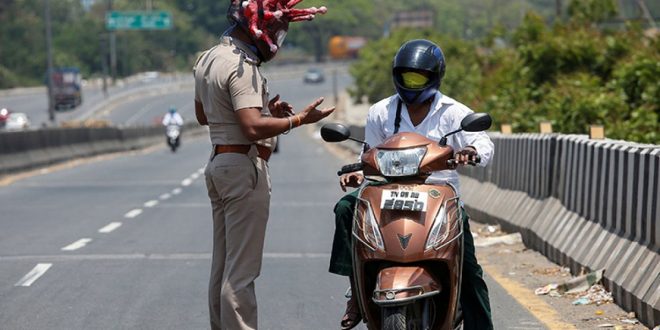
<point x="400" y="285"/>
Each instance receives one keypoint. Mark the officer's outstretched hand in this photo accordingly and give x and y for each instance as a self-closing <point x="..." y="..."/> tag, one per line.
<point x="279" y="109"/>
<point x="311" y="114"/>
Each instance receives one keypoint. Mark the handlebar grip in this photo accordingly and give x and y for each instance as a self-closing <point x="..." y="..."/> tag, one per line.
<point x="350" y="168"/>
<point x="452" y="163"/>
<point x="476" y="161"/>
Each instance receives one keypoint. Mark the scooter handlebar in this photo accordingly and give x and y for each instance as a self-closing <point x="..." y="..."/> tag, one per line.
<point x="350" y="168"/>
<point x="452" y="163"/>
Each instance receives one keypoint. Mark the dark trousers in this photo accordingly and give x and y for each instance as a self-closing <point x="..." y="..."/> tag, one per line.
<point x="474" y="293"/>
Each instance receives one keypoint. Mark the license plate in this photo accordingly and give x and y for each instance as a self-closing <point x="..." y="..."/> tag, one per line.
<point x="404" y="200"/>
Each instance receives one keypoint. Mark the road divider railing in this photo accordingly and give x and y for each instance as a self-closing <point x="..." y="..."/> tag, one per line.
<point x="586" y="204"/>
<point x="25" y="150"/>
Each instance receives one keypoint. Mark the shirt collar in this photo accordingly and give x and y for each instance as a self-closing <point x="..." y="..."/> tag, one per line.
<point x="442" y="99"/>
<point x="248" y="50"/>
<point x="439" y="102"/>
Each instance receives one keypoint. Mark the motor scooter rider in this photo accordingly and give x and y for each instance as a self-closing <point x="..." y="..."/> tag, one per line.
<point x="418" y="107"/>
<point x="172" y="117"/>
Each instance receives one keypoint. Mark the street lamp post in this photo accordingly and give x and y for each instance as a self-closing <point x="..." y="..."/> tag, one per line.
<point x="49" y="51"/>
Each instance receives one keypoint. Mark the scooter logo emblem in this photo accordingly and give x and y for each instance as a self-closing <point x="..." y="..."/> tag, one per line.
<point x="404" y="240"/>
<point x="434" y="193"/>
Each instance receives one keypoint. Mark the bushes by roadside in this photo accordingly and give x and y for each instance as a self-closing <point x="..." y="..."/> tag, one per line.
<point x="572" y="73"/>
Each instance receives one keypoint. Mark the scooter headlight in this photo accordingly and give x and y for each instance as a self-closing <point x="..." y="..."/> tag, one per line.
<point x="400" y="162"/>
<point x="368" y="229"/>
<point x="439" y="230"/>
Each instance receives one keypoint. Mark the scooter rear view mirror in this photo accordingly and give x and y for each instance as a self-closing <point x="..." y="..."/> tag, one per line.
<point x="335" y="133"/>
<point x="476" y="122"/>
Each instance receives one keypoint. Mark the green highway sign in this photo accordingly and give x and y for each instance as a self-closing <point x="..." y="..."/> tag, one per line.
<point x="138" y="20"/>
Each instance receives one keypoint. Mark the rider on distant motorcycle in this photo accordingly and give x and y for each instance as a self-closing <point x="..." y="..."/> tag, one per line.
<point x="172" y="117"/>
<point x="418" y="107"/>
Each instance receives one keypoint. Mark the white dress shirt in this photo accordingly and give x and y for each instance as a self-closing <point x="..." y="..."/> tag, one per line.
<point x="172" y="119"/>
<point x="445" y="116"/>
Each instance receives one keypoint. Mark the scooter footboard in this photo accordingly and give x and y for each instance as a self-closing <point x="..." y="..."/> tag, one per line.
<point x="400" y="285"/>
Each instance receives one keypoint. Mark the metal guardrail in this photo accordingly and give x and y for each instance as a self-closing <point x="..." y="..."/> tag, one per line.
<point x="582" y="203"/>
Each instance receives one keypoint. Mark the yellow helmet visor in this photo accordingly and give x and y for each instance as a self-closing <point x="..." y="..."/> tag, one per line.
<point x="414" y="80"/>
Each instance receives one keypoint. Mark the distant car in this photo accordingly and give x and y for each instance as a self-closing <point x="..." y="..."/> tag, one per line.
<point x="4" y="114"/>
<point x="314" y="76"/>
<point x="17" y="121"/>
<point x="147" y="77"/>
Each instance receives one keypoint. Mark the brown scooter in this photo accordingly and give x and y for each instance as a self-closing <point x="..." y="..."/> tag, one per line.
<point x="407" y="235"/>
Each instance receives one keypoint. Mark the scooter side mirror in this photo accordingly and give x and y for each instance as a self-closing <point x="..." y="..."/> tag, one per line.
<point x="335" y="133"/>
<point x="476" y="122"/>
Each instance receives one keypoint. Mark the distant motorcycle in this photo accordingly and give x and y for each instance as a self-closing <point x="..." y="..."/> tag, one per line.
<point x="173" y="133"/>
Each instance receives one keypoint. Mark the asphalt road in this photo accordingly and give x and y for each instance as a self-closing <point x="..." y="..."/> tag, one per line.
<point x="125" y="243"/>
<point x="149" y="267"/>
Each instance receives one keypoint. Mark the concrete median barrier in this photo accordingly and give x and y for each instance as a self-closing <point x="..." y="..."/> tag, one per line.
<point x="20" y="151"/>
<point x="582" y="203"/>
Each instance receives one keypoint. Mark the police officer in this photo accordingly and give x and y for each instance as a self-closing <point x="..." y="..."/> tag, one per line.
<point x="231" y="97"/>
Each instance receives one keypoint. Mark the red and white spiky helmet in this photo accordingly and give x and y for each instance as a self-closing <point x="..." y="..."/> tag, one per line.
<point x="268" y="20"/>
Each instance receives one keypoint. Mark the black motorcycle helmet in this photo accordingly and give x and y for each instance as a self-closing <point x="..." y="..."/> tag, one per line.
<point x="417" y="71"/>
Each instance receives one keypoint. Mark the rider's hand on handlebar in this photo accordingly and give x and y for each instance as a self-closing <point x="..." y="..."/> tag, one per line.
<point x="466" y="155"/>
<point x="353" y="180"/>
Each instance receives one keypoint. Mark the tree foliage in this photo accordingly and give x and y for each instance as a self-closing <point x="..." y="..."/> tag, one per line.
<point x="571" y="73"/>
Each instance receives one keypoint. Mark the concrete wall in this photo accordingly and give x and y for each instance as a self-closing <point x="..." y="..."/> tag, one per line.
<point x="25" y="150"/>
<point x="582" y="203"/>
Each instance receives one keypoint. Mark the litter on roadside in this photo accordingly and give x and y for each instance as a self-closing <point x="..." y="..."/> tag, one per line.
<point x="630" y="321"/>
<point x="583" y="288"/>
<point x="582" y="301"/>
<point x="596" y="295"/>
<point x="506" y="239"/>
<point x="489" y="230"/>
<point x="613" y="326"/>
<point x="581" y="283"/>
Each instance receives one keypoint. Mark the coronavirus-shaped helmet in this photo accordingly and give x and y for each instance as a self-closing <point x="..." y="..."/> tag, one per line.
<point x="267" y="21"/>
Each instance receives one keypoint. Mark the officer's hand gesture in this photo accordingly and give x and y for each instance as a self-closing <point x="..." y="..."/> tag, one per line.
<point x="279" y="109"/>
<point x="311" y="114"/>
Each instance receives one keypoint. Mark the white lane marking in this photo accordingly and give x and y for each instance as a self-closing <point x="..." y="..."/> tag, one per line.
<point x="133" y="213"/>
<point x="194" y="176"/>
<point x="33" y="275"/>
<point x="151" y="203"/>
<point x="201" y="170"/>
<point x="176" y="191"/>
<point x="186" y="182"/>
<point x="77" y="244"/>
<point x="165" y="196"/>
<point x="110" y="227"/>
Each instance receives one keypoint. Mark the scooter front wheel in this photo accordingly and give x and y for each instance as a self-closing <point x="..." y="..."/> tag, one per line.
<point x="394" y="318"/>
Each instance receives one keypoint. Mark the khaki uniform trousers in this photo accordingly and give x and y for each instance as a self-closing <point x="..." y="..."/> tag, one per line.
<point x="239" y="189"/>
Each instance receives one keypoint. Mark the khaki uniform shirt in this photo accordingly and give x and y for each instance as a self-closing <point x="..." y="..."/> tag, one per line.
<point x="227" y="79"/>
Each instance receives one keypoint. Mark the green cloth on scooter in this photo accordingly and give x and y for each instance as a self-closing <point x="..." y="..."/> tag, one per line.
<point x="474" y="292"/>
